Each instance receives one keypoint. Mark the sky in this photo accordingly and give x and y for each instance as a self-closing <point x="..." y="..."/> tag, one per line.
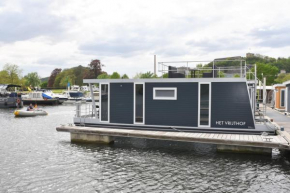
<point x="41" y="35"/>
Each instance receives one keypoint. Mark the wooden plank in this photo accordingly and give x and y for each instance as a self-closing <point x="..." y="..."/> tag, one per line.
<point x="215" y="136"/>
<point x="198" y="135"/>
<point x="212" y="138"/>
<point x="233" y="137"/>
<point x="211" y="135"/>
<point x="219" y="136"/>
<point x="207" y="136"/>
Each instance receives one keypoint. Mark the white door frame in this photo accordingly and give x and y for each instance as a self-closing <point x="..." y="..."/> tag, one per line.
<point x="281" y="97"/>
<point x="100" y="99"/>
<point x="209" y="105"/>
<point x="134" y="116"/>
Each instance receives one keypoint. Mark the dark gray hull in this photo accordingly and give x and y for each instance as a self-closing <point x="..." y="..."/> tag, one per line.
<point x="42" y="102"/>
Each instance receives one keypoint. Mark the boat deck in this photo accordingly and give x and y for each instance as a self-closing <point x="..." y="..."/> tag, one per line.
<point x="280" y="141"/>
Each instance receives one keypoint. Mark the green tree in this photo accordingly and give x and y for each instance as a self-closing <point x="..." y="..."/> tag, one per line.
<point x="164" y="75"/>
<point x="282" y="78"/>
<point x="236" y="76"/>
<point x="268" y="71"/>
<point x="148" y="75"/>
<point x="220" y="74"/>
<point x="3" y="77"/>
<point x="115" y="75"/>
<point x="125" y="76"/>
<point x="32" y="79"/>
<point x="137" y="75"/>
<point x="103" y="76"/>
<point x="43" y="85"/>
<point x="14" y="73"/>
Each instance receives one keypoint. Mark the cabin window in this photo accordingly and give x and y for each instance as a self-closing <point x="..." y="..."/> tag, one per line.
<point x="104" y="102"/>
<point x="139" y="103"/>
<point x="165" y="93"/>
<point x="282" y="99"/>
<point x="204" y="104"/>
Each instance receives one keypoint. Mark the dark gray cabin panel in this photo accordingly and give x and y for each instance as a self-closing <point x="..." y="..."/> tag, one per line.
<point x="230" y="105"/>
<point x="180" y="112"/>
<point x="121" y="103"/>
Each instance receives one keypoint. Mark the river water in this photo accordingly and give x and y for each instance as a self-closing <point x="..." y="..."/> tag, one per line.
<point x="36" y="158"/>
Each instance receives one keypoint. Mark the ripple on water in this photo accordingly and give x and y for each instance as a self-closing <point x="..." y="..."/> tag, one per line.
<point x="35" y="158"/>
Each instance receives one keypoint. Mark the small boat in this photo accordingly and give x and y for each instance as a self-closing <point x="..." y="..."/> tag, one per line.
<point x="24" y="113"/>
<point x="48" y="94"/>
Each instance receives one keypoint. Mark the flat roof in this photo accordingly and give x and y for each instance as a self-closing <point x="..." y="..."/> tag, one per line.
<point x="165" y="80"/>
<point x="286" y="82"/>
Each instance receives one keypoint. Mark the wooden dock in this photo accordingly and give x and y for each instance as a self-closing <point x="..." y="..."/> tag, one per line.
<point x="92" y="134"/>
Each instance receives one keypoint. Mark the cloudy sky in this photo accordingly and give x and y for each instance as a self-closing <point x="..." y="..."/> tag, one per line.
<point x="46" y="34"/>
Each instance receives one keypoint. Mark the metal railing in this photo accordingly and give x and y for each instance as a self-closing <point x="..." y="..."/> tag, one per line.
<point x="84" y="110"/>
<point x="197" y="69"/>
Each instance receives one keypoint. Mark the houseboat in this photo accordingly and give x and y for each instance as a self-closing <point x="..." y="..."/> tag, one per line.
<point x="8" y="97"/>
<point x="204" y="103"/>
<point x="279" y="97"/>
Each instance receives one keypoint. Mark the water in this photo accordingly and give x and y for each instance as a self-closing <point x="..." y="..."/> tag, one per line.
<point x="36" y="158"/>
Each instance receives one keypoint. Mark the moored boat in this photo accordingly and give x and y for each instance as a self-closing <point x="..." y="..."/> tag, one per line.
<point x="8" y="98"/>
<point x="38" y="97"/>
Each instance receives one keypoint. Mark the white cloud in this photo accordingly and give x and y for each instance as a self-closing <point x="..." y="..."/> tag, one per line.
<point x="124" y="35"/>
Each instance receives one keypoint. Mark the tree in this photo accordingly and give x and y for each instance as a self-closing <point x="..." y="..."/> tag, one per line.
<point x="95" y="69"/>
<point x="103" y="76"/>
<point x="148" y="75"/>
<point x="268" y="71"/>
<point x="236" y="76"/>
<point x="125" y="76"/>
<point x="3" y="77"/>
<point x="115" y="75"/>
<point x="282" y="78"/>
<point x="137" y="75"/>
<point x="221" y="74"/>
<point x="32" y="79"/>
<point x="14" y="73"/>
<point x="52" y="77"/>
<point x="164" y="75"/>
<point x="44" y="85"/>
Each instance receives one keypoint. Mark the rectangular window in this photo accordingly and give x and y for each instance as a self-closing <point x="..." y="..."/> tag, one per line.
<point x="104" y="102"/>
<point x="165" y="93"/>
<point x="204" y="104"/>
<point x="139" y="103"/>
<point x="282" y="99"/>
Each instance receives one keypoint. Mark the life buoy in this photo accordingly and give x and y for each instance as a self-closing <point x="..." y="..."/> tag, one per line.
<point x="18" y="100"/>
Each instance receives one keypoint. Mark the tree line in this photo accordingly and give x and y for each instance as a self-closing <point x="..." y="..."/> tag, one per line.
<point x="12" y="74"/>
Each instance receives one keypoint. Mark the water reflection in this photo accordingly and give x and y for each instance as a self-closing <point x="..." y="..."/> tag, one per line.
<point x="35" y="158"/>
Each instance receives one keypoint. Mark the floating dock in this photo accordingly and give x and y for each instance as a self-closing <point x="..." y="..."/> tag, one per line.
<point x="225" y="142"/>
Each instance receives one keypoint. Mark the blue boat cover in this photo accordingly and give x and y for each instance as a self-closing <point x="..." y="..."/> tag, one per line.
<point x="46" y="96"/>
